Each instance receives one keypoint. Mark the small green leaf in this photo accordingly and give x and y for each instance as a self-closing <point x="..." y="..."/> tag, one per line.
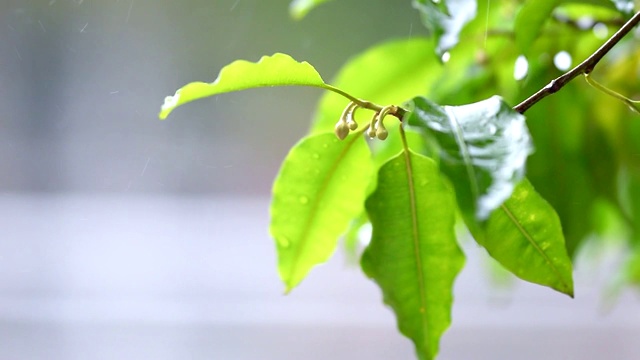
<point x="413" y="254"/>
<point x="530" y="20"/>
<point x="321" y="187"/>
<point x="484" y="147"/>
<point x="299" y="8"/>
<point x="276" y="70"/>
<point x="385" y="74"/>
<point x="445" y="19"/>
<point x="525" y="236"/>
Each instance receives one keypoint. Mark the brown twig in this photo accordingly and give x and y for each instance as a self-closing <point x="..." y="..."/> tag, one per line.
<point x="583" y="68"/>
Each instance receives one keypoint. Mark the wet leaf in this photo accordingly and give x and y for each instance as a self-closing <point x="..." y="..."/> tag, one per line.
<point x="276" y="70"/>
<point x="484" y="147"/>
<point x="300" y="8"/>
<point x="321" y="187"/>
<point x="525" y="236"/>
<point x="445" y="19"/>
<point x="413" y="254"/>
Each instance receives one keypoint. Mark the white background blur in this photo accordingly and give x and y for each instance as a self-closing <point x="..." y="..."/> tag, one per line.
<point x="124" y="237"/>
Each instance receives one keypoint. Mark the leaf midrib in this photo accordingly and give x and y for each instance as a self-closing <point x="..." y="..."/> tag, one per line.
<point x="529" y="238"/>
<point x="416" y="245"/>
<point x="314" y="206"/>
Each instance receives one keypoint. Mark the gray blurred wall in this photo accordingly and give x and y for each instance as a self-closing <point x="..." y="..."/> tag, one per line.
<point x="81" y="83"/>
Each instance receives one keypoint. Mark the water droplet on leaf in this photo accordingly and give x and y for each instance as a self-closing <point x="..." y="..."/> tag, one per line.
<point x="304" y="200"/>
<point x="284" y="242"/>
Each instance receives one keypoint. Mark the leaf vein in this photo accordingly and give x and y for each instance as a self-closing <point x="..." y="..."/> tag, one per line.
<point x="416" y="242"/>
<point x="315" y="204"/>
<point x="529" y="238"/>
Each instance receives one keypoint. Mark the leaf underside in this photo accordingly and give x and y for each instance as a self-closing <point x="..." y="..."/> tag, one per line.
<point x="319" y="190"/>
<point x="413" y="254"/>
<point x="276" y="70"/>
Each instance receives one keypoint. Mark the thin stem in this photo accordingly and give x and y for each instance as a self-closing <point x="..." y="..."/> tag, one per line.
<point x="630" y="103"/>
<point x="583" y="68"/>
<point x="399" y="112"/>
<point x="403" y="137"/>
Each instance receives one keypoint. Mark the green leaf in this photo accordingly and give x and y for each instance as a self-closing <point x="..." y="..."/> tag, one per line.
<point x="321" y="187"/>
<point x="300" y="8"/>
<point x="276" y="70"/>
<point x="530" y="20"/>
<point x="629" y="198"/>
<point x="385" y="74"/>
<point x="525" y="236"/>
<point x="445" y="19"/>
<point x="484" y="147"/>
<point x="607" y="4"/>
<point x="413" y="254"/>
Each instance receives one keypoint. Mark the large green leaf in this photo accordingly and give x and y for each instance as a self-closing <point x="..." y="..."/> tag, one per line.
<point x="484" y="147"/>
<point x="413" y="254"/>
<point x="445" y="19"/>
<point x="530" y="20"/>
<point x="300" y="8"/>
<point x="321" y="187"/>
<point x="385" y="74"/>
<point x="525" y="236"/>
<point x="276" y="70"/>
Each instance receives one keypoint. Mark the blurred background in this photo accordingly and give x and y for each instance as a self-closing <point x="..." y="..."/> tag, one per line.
<point x="126" y="237"/>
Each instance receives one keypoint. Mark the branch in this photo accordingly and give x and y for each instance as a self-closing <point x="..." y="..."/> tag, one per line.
<point x="584" y="68"/>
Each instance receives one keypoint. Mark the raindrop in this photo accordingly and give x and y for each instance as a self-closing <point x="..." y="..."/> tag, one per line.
<point x="600" y="31"/>
<point x="521" y="68"/>
<point x="303" y="200"/>
<point x="284" y="242"/>
<point x="585" y="22"/>
<point x="446" y="57"/>
<point x="562" y="60"/>
<point x="315" y="156"/>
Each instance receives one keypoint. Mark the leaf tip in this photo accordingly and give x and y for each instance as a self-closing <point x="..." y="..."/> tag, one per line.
<point x="170" y="103"/>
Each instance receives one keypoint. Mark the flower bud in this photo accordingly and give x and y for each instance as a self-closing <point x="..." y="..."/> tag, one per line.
<point x="382" y="133"/>
<point x="342" y="129"/>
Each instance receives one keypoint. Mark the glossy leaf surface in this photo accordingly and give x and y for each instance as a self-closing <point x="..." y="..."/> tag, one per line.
<point x="445" y="19"/>
<point x="484" y="147"/>
<point x="276" y="70"/>
<point x="525" y="236"/>
<point x="321" y="187"/>
<point x="300" y="8"/>
<point x="413" y="254"/>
